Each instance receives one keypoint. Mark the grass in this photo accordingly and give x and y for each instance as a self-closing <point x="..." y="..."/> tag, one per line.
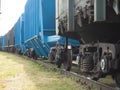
<point x="107" y="80"/>
<point x="17" y="73"/>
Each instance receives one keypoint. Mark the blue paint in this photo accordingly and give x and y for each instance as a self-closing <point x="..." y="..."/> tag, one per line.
<point x="3" y="42"/>
<point x="36" y="28"/>
<point x="40" y="26"/>
<point x="19" y="34"/>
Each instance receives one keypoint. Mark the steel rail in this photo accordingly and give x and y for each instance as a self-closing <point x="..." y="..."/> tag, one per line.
<point x="79" y="78"/>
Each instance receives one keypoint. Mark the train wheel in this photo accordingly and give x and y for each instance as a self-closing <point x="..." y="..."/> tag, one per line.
<point x="117" y="79"/>
<point x="103" y="64"/>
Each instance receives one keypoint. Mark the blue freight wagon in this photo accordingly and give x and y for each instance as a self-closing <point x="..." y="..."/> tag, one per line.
<point x="19" y="34"/>
<point x="0" y="42"/>
<point x="10" y="40"/>
<point x="40" y="32"/>
<point x="3" y="43"/>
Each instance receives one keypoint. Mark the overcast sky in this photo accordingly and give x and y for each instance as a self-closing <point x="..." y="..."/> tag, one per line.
<point x="11" y="10"/>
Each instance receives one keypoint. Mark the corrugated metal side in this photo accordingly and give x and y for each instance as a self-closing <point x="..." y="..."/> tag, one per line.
<point x="3" y="42"/>
<point x="10" y="38"/>
<point x="39" y="18"/>
<point x="19" y="31"/>
<point x="32" y="25"/>
<point x="48" y="11"/>
<point x="22" y="28"/>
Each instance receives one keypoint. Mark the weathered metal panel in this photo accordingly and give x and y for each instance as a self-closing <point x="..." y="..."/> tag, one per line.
<point x="67" y="12"/>
<point x="61" y="6"/>
<point x="10" y="38"/>
<point x="70" y="17"/>
<point x="86" y="11"/>
<point x="99" y="10"/>
<point x="92" y="20"/>
<point x="116" y="6"/>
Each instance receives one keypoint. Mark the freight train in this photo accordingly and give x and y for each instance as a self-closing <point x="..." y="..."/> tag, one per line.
<point x="93" y="24"/>
<point x="34" y="31"/>
<point x="96" y="25"/>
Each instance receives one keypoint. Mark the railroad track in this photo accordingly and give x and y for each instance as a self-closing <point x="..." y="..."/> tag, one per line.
<point x="79" y="78"/>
